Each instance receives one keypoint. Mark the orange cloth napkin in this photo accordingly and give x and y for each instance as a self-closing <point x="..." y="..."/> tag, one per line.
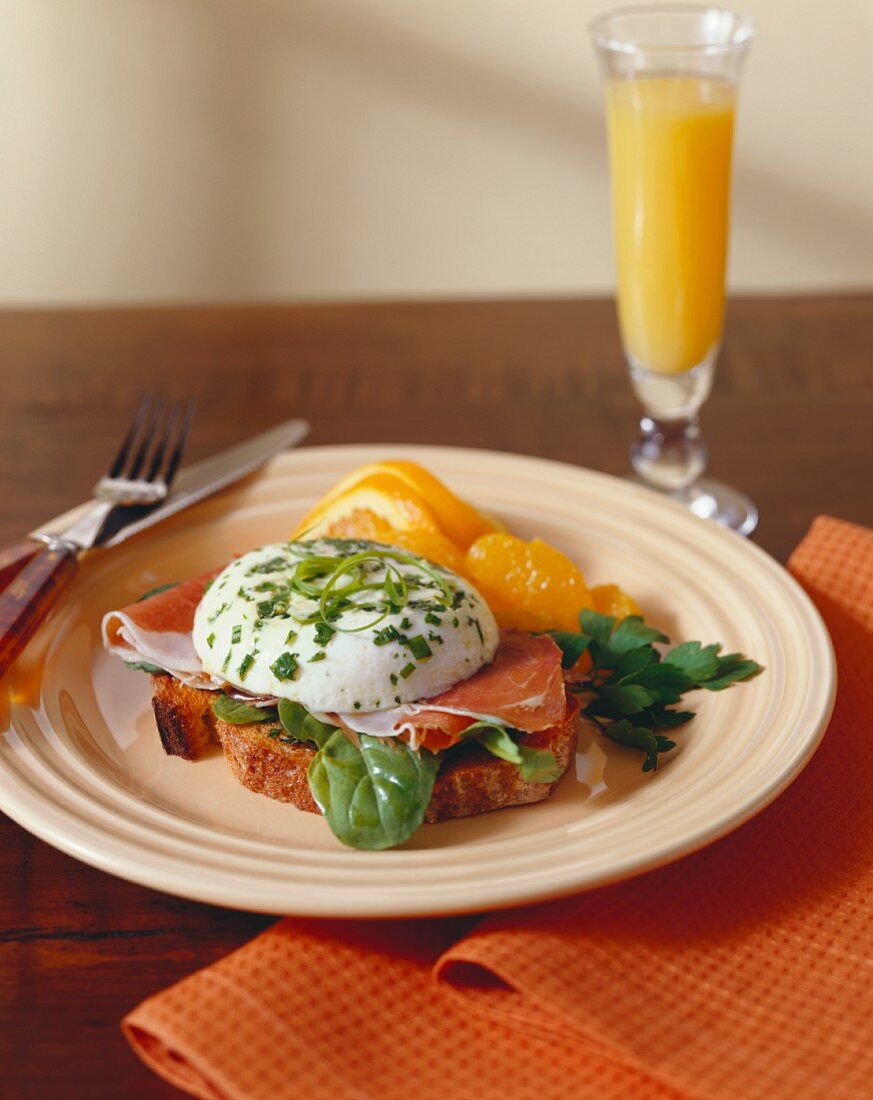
<point x="743" y="971"/>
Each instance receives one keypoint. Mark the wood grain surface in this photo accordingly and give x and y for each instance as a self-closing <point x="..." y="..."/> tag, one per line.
<point x="789" y="422"/>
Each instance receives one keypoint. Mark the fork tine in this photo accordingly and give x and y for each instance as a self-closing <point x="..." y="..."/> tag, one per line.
<point x="120" y="460"/>
<point x="186" y="414"/>
<point x="160" y="449"/>
<point x="146" y="437"/>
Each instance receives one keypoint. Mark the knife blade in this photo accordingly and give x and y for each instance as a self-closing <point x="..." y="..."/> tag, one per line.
<point x="192" y="484"/>
<point x="202" y="479"/>
<point x="35" y="581"/>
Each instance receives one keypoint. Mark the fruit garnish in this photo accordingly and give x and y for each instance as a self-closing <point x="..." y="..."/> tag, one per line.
<point x="397" y="480"/>
<point x="519" y="618"/>
<point x="611" y="600"/>
<point x="537" y="583"/>
<point x="428" y="543"/>
<point x="529" y="585"/>
<point x="395" y="503"/>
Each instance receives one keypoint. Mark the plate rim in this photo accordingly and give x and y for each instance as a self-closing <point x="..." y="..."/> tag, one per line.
<point x="172" y="879"/>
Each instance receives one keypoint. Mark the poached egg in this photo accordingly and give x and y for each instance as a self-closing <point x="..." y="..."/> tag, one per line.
<point x="342" y="626"/>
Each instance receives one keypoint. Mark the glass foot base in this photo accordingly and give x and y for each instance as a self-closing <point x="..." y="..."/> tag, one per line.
<point x="712" y="499"/>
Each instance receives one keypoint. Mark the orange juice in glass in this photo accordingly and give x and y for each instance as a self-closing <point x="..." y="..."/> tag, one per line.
<point x="670" y="87"/>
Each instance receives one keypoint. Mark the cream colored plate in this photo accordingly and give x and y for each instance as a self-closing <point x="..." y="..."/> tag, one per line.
<point x="81" y="765"/>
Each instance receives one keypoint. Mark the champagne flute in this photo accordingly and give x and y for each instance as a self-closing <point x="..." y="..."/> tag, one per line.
<point x="670" y="75"/>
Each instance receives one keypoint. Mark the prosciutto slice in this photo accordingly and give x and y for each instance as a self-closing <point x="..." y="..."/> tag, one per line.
<point x="523" y="687"/>
<point x="159" y="630"/>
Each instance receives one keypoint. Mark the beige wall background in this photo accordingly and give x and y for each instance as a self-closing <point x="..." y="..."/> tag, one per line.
<point x="241" y="149"/>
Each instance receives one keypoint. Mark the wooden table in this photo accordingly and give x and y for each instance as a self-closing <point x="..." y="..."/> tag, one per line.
<point x="789" y="422"/>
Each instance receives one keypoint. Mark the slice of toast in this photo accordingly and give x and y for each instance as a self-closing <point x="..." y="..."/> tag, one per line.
<point x="470" y="780"/>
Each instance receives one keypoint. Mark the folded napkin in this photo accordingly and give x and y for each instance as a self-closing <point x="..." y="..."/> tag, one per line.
<point x="743" y="971"/>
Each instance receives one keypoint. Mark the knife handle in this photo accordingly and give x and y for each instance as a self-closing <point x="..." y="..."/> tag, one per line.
<point x="14" y="558"/>
<point x="30" y="596"/>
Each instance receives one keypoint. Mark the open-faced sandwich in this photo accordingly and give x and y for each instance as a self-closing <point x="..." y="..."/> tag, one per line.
<point x="356" y="677"/>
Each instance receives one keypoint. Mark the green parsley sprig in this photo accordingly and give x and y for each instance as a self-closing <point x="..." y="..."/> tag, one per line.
<point x="632" y="687"/>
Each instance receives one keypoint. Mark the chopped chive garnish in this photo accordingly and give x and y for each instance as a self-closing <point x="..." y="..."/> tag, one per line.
<point x="216" y="613"/>
<point x="236" y="635"/>
<point x="407" y="670"/>
<point x="245" y="664"/>
<point x="292" y="635"/>
<point x="393" y="678"/>
<point x="355" y="575"/>
<point x="323" y="633"/>
<point x="396" y="593"/>
<point x="210" y="641"/>
<point x="397" y="699"/>
<point x="356" y="705"/>
<point x="387" y="634"/>
<point x="274" y="565"/>
<point x="226" y="663"/>
<point x="285" y="667"/>
<point x="419" y="648"/>
<point x="456" y="622"/>
<point x="432" y="620"/>
<point x="316" y="657"/>
<point x="405" y="624"/>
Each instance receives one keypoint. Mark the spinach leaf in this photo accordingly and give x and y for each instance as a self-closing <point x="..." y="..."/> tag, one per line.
<point x="238" y="713"/>
<point x="146" y="666"/>
<point x="534" y="765"/>
<point x="155" y="591"/>
<point x="302" y="726"/>
<point x="373" y="797"/>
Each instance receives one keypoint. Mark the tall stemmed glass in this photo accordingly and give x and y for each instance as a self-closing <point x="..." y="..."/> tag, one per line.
<point x="670" y="76"/>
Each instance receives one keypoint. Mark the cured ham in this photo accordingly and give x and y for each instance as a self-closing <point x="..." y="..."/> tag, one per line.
<point x="522" y="687"/>
<point x="159" y="630"/>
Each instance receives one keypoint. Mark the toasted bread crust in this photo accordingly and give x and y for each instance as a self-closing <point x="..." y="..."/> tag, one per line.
<point x="184" y="717"/>
<point x="470" y="781"/>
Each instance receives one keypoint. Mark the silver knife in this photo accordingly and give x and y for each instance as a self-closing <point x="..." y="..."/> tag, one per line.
<point x="192" y="484"/>
<point x="195" y="483"/>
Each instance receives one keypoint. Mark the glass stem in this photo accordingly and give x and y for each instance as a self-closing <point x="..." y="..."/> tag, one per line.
<point x="669" y="454"/>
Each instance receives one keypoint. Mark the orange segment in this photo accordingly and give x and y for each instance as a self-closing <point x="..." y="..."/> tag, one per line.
<point x="529" y="585"/>
<point x="517" y="618"/>
<point x="382" y="496"/>
<point x="457" y="520"/>
<point x="434" y="547"/>
<point x="532" y="580"/>
<point x="364" y="524"/>
<point x="609" y="599"/>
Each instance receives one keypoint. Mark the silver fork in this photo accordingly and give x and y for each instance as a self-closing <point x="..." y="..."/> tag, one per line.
<point x="123" y="482"/>
<point x="140" y="475"/>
